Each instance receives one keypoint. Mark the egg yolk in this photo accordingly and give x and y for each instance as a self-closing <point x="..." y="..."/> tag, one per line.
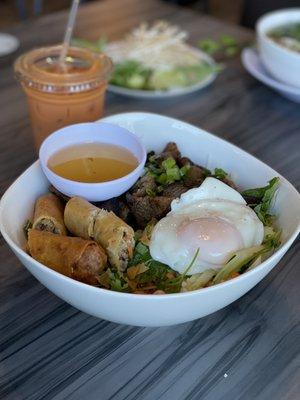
<point x="215" y="237"/>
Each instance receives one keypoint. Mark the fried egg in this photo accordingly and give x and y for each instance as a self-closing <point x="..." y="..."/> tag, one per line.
<point x="213" y="218"/>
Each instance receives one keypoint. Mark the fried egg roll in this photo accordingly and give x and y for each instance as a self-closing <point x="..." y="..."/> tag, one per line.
<point x="80" y="217"/>
<point x="74" y="257"/>
<point x="111" y="232"/>
<point x="116" y="237"/>
<point x="49" y="214"/>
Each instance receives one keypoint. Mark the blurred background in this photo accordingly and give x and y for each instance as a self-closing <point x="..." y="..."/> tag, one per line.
<point x="243" y="12"/>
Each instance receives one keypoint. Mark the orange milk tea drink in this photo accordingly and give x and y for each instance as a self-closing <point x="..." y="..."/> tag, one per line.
<point x="62" y="94"/>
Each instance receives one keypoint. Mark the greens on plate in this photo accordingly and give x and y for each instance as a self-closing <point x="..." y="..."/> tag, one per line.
<point x="154" y="58"/>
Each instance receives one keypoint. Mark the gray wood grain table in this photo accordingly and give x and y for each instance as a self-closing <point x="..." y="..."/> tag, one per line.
<point x="250" y="349"/>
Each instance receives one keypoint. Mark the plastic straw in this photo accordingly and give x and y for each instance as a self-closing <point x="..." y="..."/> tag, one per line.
<point x="69" y="31"/>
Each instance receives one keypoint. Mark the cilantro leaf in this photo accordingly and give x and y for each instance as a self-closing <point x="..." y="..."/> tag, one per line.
<point x="117" y="283"/>
<point x="156" y="273"/>
<point x="262" y="198"/>
<point x="175" y="285"/>
<point x="141" y="254"/>
<point x="113" y="280"/>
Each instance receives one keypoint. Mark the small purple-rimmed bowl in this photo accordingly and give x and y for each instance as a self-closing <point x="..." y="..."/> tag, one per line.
<point x="91" y="132"/>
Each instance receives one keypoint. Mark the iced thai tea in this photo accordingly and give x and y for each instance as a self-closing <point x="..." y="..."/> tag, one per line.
<point x="60" y="95"/>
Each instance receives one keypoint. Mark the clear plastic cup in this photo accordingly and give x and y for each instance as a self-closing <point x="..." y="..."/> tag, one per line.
<point x="60" y="95"/>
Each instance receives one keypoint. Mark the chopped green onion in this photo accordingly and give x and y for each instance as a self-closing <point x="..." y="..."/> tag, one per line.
<point x="219" y="173"/>
<point x="168" y="163"/>
<point x="184" y="170"/>
<point x="173" y="174"/>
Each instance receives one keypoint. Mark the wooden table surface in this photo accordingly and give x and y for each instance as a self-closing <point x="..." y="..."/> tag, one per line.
<point x="249" y="350"/>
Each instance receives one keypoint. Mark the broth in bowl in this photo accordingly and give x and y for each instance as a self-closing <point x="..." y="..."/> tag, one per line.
<point x="287" y="35"/>
<point x="93" y="162"/>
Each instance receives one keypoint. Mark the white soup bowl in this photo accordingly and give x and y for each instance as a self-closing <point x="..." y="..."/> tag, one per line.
<point x="281" y="62"/>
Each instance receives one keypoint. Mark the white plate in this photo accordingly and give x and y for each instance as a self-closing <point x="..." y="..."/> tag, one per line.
<point x="254" y="65"/>
<point x="158" y="94"/>
<point x="146" y="310"/>
<point x="8" y="44"/>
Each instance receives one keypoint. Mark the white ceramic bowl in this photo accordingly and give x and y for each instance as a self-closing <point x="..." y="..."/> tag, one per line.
<point x="92" y="133"/>
<point x="253" y="64"/>
<point x="282" y="63"/>
<point x="144" y="310"/>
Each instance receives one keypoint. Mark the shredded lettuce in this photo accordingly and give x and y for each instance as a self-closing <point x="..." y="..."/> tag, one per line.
<point x="272" y="237"/>
<point x="180" y="76"/>
<point x="130" y="74"/>
<point x="255" y="263"/>
<point x="239" y="260"/>
<point x="198" y="281"/>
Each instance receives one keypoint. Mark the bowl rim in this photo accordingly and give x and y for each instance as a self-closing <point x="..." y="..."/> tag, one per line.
<point x="263" y="34"/>
<point x="94" y="185"/>
<point x="265" y="77"/>
<point x="280" y="251"/>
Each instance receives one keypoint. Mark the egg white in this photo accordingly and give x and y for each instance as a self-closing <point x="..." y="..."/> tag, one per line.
<point x="211" y="188"/>
<point x="213" y="201"/>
